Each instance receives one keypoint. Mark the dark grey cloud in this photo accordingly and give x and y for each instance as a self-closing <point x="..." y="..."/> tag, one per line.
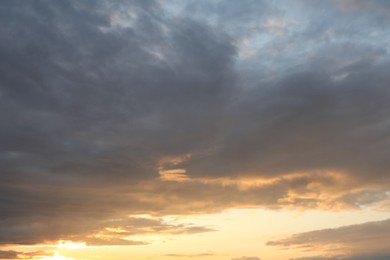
<point x="97" y="99"/>
<point x="93" y="96"/>
<point x="305" y="122"/>
<point x="97" y="95"/>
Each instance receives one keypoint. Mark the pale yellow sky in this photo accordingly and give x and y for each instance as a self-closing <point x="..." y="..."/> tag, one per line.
<point x="238" y="233"/>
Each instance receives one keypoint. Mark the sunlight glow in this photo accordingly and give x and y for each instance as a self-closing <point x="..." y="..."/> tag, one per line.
<point x="70" y="245"/>
<point x="57" y="256"/>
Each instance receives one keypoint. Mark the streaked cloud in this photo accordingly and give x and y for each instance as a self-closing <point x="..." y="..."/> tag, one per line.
<point x="363" y="241"/>
<point x="247" y="258"/>
<point x="11" y="254"/>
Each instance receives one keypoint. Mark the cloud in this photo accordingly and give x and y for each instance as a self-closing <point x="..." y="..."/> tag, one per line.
<point x="308" y="122"/>
<point x="357" y="257"/>
<point x="362" y="241"/>
<point x="364" y="6"/>
<point x="111" y="241"/>
<point x="93" y="232"/>
<point x="247" y="258"/>
<point x="88" y="99"/>
<point x="11" y="254"/>
<point x="110" y="110"/>
<point x="238" y="21"/>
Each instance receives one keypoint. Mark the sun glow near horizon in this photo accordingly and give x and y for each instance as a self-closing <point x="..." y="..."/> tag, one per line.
<point x="248" y="224"/>
<point x="57" y="256"/>
<point x="70" y="244"/>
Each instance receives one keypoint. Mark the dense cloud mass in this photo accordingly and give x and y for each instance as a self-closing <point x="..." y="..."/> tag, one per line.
<point x="111" y="109"/>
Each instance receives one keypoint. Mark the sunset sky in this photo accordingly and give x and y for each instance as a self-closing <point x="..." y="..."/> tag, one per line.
<point x="195" y="129"/>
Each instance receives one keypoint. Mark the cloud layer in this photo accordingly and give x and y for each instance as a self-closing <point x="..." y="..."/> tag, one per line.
<point x="109" y="110"/>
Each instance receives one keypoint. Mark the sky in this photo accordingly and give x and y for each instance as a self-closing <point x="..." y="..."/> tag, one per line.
<point x="195" y="129"/>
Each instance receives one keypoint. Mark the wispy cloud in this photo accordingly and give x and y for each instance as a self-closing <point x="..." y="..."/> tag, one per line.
<point x="363" y="241"/>
<point x="247" y="258"/>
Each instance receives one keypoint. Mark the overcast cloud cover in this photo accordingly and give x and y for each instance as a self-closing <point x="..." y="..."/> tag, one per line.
<point x="111" y="109"/>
